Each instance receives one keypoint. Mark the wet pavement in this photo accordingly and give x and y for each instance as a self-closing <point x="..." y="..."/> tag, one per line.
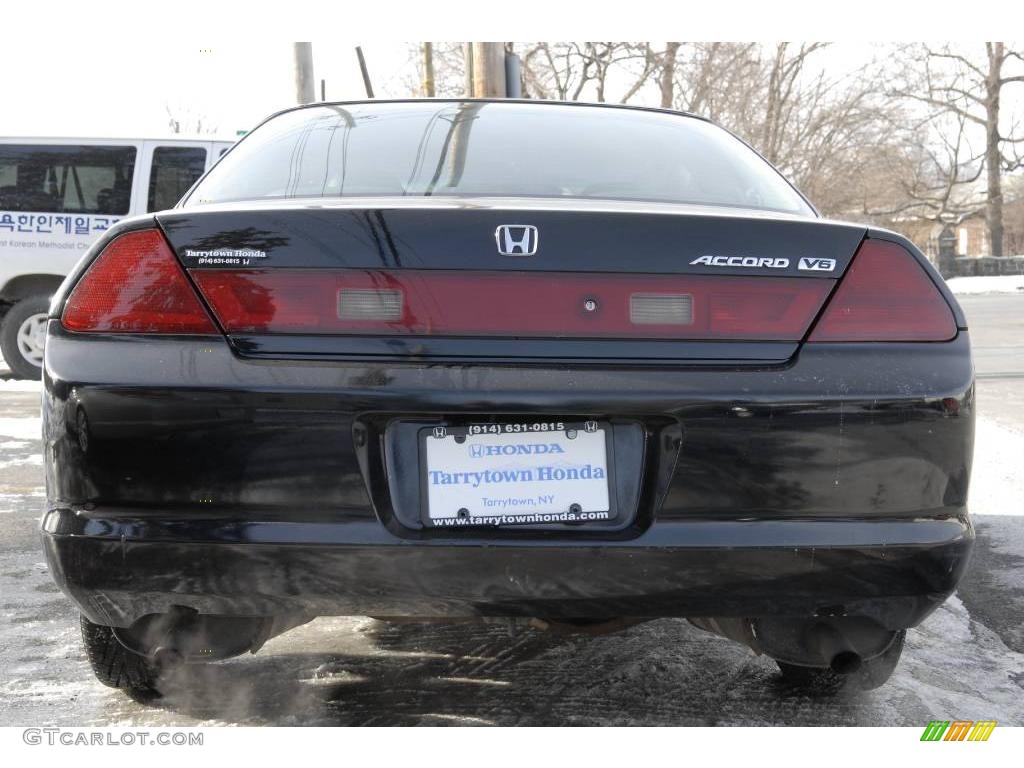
<point x="966" y="661"/>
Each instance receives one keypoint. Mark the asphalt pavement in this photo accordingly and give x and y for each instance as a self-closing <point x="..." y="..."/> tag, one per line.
<point x="966" y="661"/>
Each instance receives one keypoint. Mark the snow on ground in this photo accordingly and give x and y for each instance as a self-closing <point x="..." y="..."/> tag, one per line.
<point x="986" y="284"/>
<point x="997" y="484"/>
<point x="927" y="682"/>
<point x="15" y="385"/>
<point x="29" y="428"/>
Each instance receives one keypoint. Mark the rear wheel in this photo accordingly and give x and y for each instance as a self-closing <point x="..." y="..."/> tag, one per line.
<point x="870" y="674"/>
<point x="117" y="667"/>
<point x="22" y="334"/>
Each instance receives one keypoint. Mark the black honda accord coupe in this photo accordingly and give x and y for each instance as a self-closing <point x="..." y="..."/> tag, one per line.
<point x="575" y="364"/>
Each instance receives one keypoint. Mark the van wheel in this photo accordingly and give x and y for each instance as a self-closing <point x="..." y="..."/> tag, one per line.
<point x="22" y="334"/>
<point x="869" y="675"/>
<point x="117" y="667"/>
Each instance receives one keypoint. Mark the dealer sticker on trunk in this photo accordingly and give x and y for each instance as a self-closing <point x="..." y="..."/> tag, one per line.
<point x="516" y="474"/>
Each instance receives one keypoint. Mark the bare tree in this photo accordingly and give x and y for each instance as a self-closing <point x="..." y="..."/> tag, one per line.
<point x="649" y="63"/>
<point x="449" y="65"/>
<point x="666" y="81"/>
<point x="428" y="70"/>
<point x="182" y="119"/>
<point x="572" y="71"/>
<point x="971" y="87"/>
<point x="783" y="77"/>
<point x="550" y="70"/>
<point x="718" y="80"/>
<point x="830" y="134"/>
<point x="934" y="170"/>
<point x="848" y="140"/>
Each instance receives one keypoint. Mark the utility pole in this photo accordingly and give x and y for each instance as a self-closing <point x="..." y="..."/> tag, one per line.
<point x="489" y="70"/>
<point x="428" y="70"/>
<point x="304" y="89"/>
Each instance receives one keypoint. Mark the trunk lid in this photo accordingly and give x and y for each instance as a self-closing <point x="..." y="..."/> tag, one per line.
<point x="474" y="278"/>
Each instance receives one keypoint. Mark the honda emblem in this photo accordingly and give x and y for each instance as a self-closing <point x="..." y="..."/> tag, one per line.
<point x="516" y="239"/>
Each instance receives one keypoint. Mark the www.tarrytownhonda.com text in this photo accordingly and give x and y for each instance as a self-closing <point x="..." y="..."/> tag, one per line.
<point x="84" y="737"/>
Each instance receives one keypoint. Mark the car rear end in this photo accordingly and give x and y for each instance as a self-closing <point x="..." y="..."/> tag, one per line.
<point x="574" y="408"/>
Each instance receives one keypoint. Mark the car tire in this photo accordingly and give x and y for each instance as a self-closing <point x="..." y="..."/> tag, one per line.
<point x="872" y="673"/>
<point x="20" y="339"/>
<point x="117" y="667"/>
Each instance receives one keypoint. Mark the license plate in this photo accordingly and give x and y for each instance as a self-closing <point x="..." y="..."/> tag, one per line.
<point x="516" y="474"/>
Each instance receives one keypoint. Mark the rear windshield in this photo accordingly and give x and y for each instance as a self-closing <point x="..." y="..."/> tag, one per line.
<point x="499" y="149"/>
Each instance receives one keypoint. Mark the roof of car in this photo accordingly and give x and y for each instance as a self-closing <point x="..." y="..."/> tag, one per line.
<point x="460" y="99"/>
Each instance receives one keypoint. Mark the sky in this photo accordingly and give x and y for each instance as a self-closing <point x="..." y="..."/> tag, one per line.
<point x="125" y="91"/>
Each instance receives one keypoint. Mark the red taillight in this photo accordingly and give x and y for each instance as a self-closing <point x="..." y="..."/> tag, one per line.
<point x="526" y="304"/>
<point x="136" y="286"/>
<point x="885" y="296"/>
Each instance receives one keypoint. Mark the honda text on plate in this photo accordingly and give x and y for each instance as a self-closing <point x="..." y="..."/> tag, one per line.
<point x="580" y="364"/>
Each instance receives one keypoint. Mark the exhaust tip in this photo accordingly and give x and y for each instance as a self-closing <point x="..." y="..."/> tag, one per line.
<point x="845" y="662"/>
<point x="166" y="658"/>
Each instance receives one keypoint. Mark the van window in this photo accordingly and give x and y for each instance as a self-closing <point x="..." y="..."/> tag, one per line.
<point x="66" y="178"/>
<point x="175" y="170"/>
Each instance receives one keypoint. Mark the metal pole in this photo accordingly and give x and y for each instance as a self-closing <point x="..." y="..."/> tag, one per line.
<point x="304" y="88"/>
<point x="366" y="74"/>
<point x="513" y="76"/>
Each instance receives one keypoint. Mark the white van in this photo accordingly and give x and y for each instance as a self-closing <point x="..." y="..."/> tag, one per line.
<point x="56" y="197"/>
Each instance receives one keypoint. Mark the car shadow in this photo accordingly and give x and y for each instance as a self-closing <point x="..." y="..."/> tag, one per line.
<point x="402" y="674"/>
<point x="661" y="673"/>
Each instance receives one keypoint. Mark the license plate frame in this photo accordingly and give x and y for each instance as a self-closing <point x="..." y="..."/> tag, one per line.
<point x="521" y="517"/>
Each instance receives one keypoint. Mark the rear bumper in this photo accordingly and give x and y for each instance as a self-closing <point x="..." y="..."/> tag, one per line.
<point x="121" y="568"/>
<point x="179" y="473"/>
